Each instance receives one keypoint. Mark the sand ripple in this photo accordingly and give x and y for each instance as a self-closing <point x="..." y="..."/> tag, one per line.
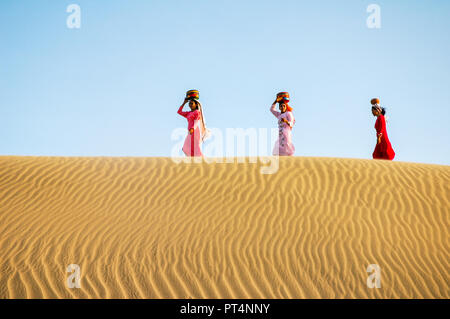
<point x="150" y="228"/>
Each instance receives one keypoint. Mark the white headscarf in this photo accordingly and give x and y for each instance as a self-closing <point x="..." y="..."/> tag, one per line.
<point x="204" y="132"/>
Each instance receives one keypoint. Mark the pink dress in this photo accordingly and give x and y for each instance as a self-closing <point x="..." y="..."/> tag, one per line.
<point x="192" y="142"/>
<point x="283" y="145"/>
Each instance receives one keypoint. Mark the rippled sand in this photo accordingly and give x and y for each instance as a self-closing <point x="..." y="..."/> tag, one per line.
<point x="150" y="228"/>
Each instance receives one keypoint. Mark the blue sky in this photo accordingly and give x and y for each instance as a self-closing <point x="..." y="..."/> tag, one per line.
<point x="112" y="87"/>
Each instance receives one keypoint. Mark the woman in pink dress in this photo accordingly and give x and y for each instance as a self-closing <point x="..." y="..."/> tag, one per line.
<point x="286" y="121"/>
<point x="196" y="128"/>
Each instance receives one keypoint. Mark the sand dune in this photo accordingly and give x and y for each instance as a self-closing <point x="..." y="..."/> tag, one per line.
<point x="150" y="228"/>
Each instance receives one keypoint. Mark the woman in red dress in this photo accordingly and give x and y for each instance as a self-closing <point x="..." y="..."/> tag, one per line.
<point x="383" y="149"/>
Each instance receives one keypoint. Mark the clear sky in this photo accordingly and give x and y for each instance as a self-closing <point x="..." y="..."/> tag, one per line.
<point x="112" y="87"/>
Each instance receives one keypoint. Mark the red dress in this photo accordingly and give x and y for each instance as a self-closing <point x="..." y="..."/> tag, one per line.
<point x="383" y="150"/>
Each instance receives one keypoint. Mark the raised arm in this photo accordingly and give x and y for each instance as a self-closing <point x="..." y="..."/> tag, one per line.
<point x="274" y="112"/>
<point x="180" y="110"/>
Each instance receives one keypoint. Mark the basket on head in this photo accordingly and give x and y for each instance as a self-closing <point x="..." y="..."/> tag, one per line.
<point x="284" y="97"/>
<point x="192" y="95"/>
<point x="375" y="101"/>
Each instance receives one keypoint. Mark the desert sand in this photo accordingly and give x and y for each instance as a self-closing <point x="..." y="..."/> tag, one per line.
<point x="151" y="228"/>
